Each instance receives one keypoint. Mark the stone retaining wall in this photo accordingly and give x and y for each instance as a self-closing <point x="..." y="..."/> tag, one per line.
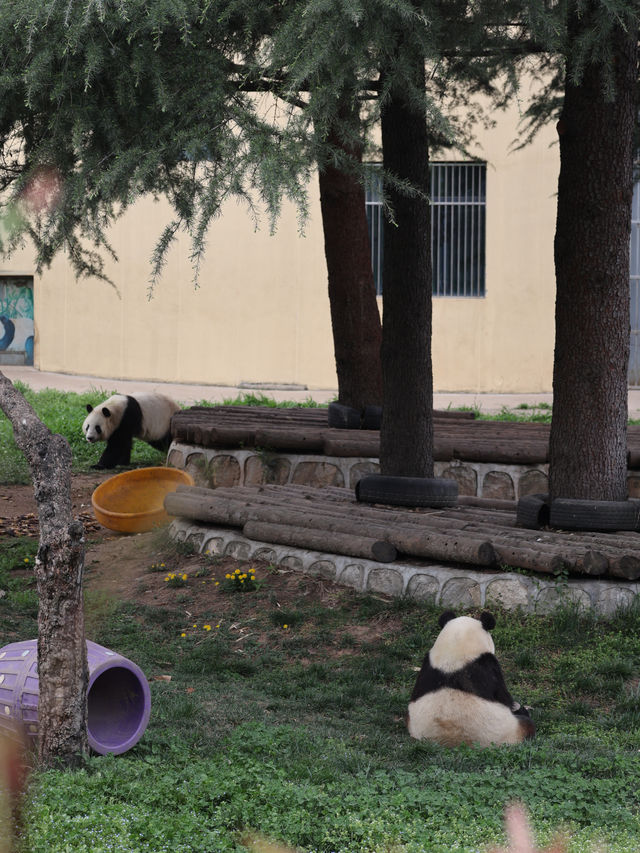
<point x="210" y="467"/>
<point x="446" y="586"/>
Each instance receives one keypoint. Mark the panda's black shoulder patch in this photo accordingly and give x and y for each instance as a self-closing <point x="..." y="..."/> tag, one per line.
<point x="131" y="417"/>
<point x="482" y="677"/>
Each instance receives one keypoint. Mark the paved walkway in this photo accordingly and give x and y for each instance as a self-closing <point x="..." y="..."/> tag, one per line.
<point x="188" y="394"/>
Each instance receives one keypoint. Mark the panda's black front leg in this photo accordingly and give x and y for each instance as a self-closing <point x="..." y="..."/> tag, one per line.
<point x="117" y="451"/>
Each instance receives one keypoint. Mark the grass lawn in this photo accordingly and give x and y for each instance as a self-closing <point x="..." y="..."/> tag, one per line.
<point x="297" y="732"/>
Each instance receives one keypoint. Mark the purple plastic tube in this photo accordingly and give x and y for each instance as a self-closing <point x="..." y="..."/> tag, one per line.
<point x="118" y="696"/>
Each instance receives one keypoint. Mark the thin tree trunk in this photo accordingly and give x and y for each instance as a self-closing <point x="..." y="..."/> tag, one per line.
<point x="406" y="435"/>
<point x="588" y="441"/>
<point x="62" y="652"/>
<point x="355" y="317"/>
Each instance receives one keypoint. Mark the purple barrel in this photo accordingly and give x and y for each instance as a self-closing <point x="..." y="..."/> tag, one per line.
<point x="118" y="696"/>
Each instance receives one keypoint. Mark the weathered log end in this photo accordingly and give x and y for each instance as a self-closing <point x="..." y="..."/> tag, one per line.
<point x="384" y="552"/>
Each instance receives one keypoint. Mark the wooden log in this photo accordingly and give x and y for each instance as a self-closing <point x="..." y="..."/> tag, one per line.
<point x="595" y="564"/>
<point x="514" y="453"/>
<point x="456" y="547"/>
<point x="295" y="440"/>
<point x="487" y="503"/>
<point x="530" y="558"/>
<point x="321" y="540"/>
<point x="625" y="566"/>
<point x="350" y="448"/>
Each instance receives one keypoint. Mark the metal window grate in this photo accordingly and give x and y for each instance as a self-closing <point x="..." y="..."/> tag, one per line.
<point x="458" y="228"/>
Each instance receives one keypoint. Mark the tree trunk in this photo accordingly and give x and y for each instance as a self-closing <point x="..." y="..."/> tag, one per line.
<point x="406" y="434"/>
<point x="62" y="651"/>
<point x="355" y="317"/>
<point x="588" y="440"/>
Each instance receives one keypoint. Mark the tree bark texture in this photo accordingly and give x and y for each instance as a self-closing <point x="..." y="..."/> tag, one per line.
<point x="355" y="318"/>
<point x="406" y="434"/>
<point x="62" y="652"/>
<point x="588" y="440"/>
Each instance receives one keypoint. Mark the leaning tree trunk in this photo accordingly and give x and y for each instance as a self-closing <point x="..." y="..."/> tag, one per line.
<point x="588" y="443"/>
<point x="355" y="318"/>
<point x="406" y="435"/>
<point x="62" y="652"/>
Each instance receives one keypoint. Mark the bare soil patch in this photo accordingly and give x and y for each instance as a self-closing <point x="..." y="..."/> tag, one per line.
<point x="134" y="567"/>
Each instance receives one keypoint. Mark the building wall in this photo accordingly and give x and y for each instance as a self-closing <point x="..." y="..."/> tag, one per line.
<point x="261" y="312"/>
<point x="504" y="341"/>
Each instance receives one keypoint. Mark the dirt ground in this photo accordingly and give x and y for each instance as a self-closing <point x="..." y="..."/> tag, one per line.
<point x="130" y="566"/>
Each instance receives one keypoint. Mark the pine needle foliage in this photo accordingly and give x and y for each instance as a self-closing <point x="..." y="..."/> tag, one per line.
<point x="202" y="102"/>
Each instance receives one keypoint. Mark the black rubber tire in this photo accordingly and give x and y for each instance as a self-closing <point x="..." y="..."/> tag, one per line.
<point x="573" y="514"/>
<point x="533" y="511"/>
<point x="343" y="417"/>
<point x="407" y="491"/>
<point x="371" y="417"/>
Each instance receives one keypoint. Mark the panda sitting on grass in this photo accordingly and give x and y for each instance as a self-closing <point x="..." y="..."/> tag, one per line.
<point x="460" y="695"/>
<point x="124" y="417"/>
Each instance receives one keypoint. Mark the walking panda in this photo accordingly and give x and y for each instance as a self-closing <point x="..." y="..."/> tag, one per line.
<point x="460" y="695"/>
<point x="124" y="417"/>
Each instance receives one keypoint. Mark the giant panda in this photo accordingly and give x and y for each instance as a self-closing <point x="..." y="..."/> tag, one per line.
<point x="460" y="695"/>
<point x="124" y="417"/>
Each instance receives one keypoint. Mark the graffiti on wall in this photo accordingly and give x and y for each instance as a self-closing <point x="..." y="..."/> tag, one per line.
<point x="16" y="320"/>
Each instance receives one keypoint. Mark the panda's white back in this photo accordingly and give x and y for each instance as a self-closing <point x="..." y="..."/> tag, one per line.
<point x="452" y="717"/>
<point x="157" y="411"/>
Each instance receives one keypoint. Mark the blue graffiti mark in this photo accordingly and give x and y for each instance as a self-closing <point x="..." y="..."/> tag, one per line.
<point x="9" y="332"/>
<point x="28" y="350"/>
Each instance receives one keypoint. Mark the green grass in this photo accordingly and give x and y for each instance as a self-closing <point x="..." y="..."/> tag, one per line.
<point x="298" y="734"/>
<point x="64" y="413"/>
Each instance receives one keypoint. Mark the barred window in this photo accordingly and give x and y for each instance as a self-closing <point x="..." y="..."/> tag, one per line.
<point x="458" y="228"/>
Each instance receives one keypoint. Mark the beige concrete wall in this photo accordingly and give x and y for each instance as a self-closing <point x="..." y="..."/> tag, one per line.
<point x="504" y="341"/>
<point x="261" y="313"/>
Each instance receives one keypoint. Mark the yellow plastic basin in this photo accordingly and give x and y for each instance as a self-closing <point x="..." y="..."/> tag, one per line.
<point x="133" y="502"/>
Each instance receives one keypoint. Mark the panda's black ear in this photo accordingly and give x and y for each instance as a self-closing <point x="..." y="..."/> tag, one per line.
<point x="445" y="617"/>
<point x="488" y="620"/>
<point x="89" y="407"/>
<point x="106" y="412"/>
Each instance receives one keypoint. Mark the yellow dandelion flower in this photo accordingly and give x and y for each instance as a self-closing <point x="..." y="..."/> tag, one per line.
<point x="285" y="627"/>
<point x="184" y="577"/>
<point x="195" y="625"/>
<point x="207" y="627"/>
<point x="183" y="634"/>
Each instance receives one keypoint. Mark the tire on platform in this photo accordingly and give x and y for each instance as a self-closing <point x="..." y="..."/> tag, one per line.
<point x="371" y="417"/>
<point x="574" y="514"/>
<point x="343" y="417"/>
<point x="533" y="511"/>
<point x="407" y="491"/>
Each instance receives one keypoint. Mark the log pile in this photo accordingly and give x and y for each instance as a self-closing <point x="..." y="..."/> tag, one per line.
<point x="457" y="435"/>
<point x="331" y="520"/>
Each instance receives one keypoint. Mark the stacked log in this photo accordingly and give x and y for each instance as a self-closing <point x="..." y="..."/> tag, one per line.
<point x="330" y="519"/>
<point x="457" y="435"/>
